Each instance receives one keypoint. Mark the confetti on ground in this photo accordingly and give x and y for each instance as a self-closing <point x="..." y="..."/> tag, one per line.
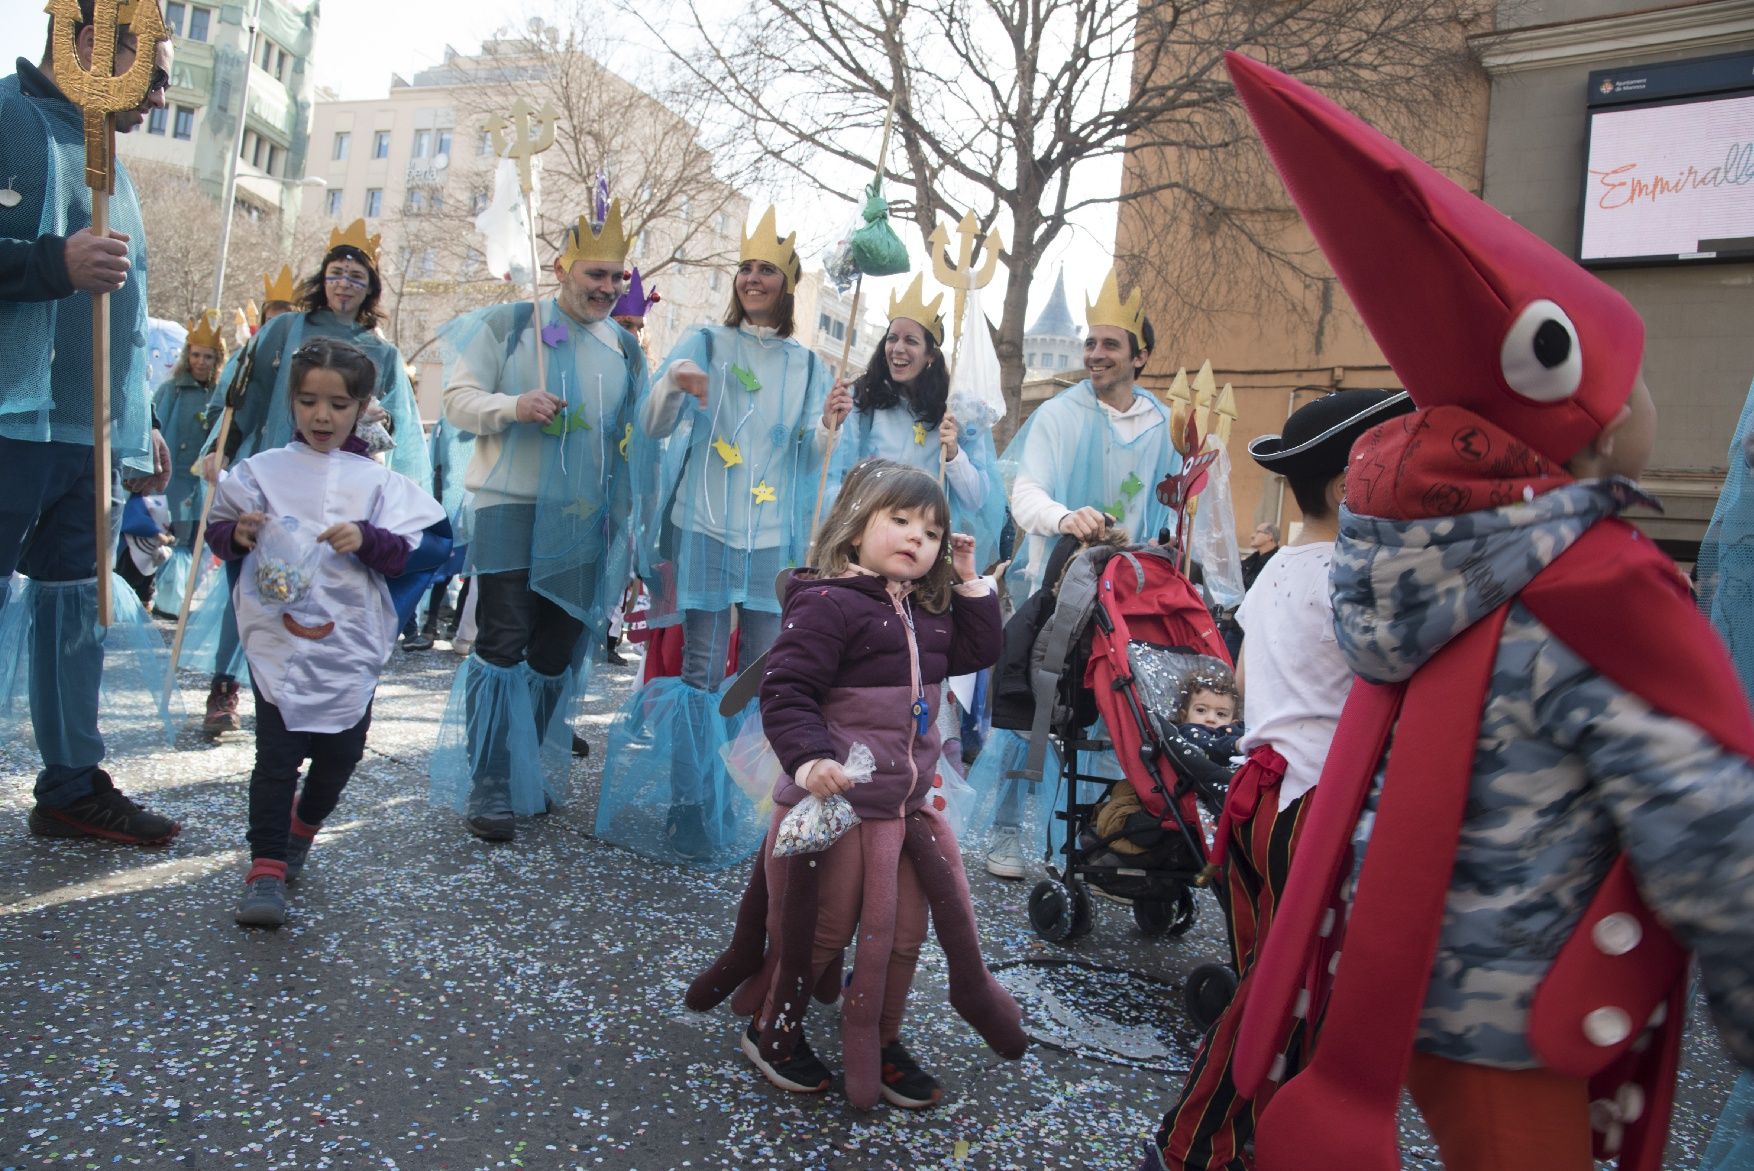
<point x="437" y="1003"/>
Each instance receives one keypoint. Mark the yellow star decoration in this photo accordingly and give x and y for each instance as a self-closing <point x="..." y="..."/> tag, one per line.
<point x="729" y="452"/>
<point x="764" y="493"/>
<point x="626" y="438"/>
<point x="919" y="434"/>
<point x="580" y="508"/>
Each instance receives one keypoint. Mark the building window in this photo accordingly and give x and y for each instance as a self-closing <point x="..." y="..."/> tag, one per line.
<point x="332" y="204"/>
<point x="416" y="200"/>
<point x="280" y="63"/>
<point x="442" y="144"/>
<point x="374" y="202"/>
<point x="712" y="280"/>
<point x="687" y="207"/>
<point x="340" y="151"/>
<point x="273" y="167"/>
<point x="825" y="323"/>
<point x="436" y="200"/>
<point x="724" y="224"/>
<point x="428" y="262"/>
<point x="184" y="126"/>
<point x="485" y="146"/>
<point x="422" y="143"/>
<point x="267" y="59"/>
<point x="381" y="145"/>
<point x="173" y="17"/>
<point x="478" y="202"/>
<point x="155" y="120"/>
<point x="256" y="151"/>
<point x="198" y="19"/>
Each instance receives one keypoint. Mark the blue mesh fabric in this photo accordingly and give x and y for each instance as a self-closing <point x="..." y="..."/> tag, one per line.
<point x="996" y="800"/>
<point x="450" y="449"/>
<point x="1069" y="447"/>
<point x="211" y="641"/>
<point x="181" y="407"/>
<point x="503" y="745"/>
<point x="168" y="585"/>
<point x="1732" y="1143"/>
<point x="668" y="747"/>
<point x="737" y="478"/>
<point x="45" y="382"/>
<point x="1726" y="556"/>
<point x="264" y="419"/>
<point x="892" y="434"/>
<point x="557" y="500"/>
<point x="59" y="669"/>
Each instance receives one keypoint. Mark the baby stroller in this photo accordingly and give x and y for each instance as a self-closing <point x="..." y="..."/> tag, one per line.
<point x="1116" y="640"/>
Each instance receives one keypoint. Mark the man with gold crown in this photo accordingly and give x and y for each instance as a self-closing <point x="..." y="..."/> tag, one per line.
<point x="735" y="428"/>
<point x="50" y="266"/>
<point x="1086" y="461"/>
<point x="181" y="407"/>
<point x="550" y="402"/>
<point x="340" y="300"/>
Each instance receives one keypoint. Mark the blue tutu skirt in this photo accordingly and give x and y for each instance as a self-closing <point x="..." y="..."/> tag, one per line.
<point x="1732" y="1144"/>
<point x="669" y="747"/>
<point x="1029" y="805"/>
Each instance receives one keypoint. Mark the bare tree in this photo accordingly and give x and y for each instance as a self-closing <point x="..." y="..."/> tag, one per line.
<point x="1005" y="104"/>
<point x="182" y="243"/>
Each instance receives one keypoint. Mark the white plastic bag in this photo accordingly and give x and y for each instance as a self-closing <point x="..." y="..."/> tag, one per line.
<point x="816" y="823"/>
<point x="286" y="561"/>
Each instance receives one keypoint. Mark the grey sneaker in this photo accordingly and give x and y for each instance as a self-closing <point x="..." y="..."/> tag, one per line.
<point x="298" y="852"/>
<point x="492" y="827"/>
<point x="263" y="904"/>
<point x="1005" y="852"/>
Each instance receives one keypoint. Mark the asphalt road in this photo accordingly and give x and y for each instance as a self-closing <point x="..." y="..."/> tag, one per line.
<point x="436" y="1002"/>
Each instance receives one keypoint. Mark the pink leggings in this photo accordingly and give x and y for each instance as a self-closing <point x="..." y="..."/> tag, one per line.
<point x="841" y="882"/>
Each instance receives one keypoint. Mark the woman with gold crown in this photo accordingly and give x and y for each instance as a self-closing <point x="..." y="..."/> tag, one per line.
<point x="340" y="301"/>
<point x="899" y="410"/>
<point x="180" y="406"/>
<point x="735" y="427"/>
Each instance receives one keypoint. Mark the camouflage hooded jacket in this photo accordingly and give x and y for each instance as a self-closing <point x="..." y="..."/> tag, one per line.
<point x="1570" y="770"/>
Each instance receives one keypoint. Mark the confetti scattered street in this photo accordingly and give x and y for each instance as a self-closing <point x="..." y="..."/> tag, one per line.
<point x="435" y="1002"/>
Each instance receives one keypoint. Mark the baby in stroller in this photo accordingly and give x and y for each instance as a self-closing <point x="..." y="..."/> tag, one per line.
<point x="1121" y="832"/>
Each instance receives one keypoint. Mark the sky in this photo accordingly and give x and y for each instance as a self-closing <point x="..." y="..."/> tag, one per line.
<point x="360" y="44"/>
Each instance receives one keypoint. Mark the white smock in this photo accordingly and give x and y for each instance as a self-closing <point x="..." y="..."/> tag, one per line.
<point x="322" y="684"/>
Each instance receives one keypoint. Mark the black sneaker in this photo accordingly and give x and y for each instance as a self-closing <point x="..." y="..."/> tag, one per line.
<point x="581" y="747"/>
<point x="492" y="827"/>
<point x="905" y="1084"/>
<point x="801" y="1073"/>
<point x="106" y="813"/>
<point x="298" y="852"/>
<point x="613" y="655"/>
<point x="263" y="904"/>
<point x="685" y="830"/>
<point x="417" y="642"/>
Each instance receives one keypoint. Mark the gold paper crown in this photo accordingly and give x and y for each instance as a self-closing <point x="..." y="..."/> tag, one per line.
<point x="765" y="244"/>
<point x="1109" y="309"/>
<point x="204" y="330"/>
<point x="610" y="245"/>
<point x="913" y="306"/>
<point x="355" y="237"/>
<point x="283" y="287"/>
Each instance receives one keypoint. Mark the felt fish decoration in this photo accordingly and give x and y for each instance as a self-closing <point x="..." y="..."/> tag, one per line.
<point x="566" y="422"/>
<point x="747" y="377"/>
<point x="729" y="452"/>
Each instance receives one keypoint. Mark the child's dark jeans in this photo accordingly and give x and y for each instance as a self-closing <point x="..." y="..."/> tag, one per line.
<point x="279" y="754"/>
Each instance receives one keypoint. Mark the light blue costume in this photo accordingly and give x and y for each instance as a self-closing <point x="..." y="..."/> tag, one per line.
<point x="894" y="433"/>
<point x="1070" y="448"/>
<point x="1726" y="595"/>
<point x="736" y="488"/>
<point x="52" y="644"/>
<point x="181" y="406"/>
<point x="550" y="515"/>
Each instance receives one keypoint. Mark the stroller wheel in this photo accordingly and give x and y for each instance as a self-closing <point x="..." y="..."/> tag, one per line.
<point x="1171" y="917"/>
<point x="1050" y="911"/>
<point x="1208" y="993"/>
<point x="1083" y="917"/>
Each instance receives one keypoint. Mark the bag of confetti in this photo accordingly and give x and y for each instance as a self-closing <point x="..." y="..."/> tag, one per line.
<point x="815" y="823"/>
<point x="286" y="561"/>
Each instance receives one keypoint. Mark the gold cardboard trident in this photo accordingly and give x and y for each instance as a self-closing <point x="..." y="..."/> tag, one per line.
<point x="101" y="95"/>
<point x="961" y="276"/>
<point x="514" y="137"/>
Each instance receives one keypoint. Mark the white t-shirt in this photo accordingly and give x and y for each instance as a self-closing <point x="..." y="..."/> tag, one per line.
<point x="1294" y="675"/>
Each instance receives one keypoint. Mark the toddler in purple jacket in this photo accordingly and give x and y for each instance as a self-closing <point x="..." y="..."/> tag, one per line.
<point x="866" y="641"/>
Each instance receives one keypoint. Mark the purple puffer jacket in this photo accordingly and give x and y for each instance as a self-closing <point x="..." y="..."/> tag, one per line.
<point x="840" y="672"/>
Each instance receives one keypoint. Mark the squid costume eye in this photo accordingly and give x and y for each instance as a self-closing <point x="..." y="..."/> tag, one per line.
<point x="1540" y="358"/>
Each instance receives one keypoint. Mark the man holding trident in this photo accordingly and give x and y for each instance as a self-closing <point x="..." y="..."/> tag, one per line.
<point x="549" y="544"/>
<point x="52" y="267"/>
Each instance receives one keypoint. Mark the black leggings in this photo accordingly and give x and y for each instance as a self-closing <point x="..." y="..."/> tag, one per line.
<point x="279" y="753"/>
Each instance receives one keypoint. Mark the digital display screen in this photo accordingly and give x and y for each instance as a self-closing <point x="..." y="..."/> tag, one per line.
<point x="1669" y="183"/>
